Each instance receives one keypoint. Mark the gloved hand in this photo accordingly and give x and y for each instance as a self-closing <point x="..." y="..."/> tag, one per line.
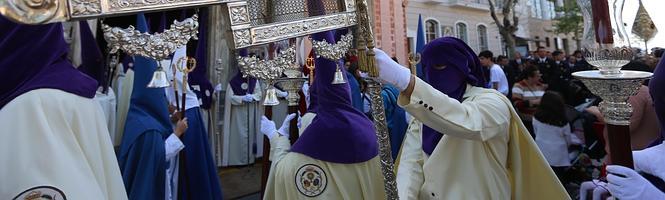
<point x="391" y="71"/>
<point x="299" y="120"/>
<point x="248" y="98"/>
<point x="651" y="160"/>
<point x="282" y="94"/>
<point x="268" y="127"/>
<point x="626" y="184"/>
<point x="284" y="129"/>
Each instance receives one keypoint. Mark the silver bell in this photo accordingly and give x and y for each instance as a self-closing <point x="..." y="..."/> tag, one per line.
<point x="339" y="77"/>
<point x="271" y="97"/>
<point x="159" y="79"/>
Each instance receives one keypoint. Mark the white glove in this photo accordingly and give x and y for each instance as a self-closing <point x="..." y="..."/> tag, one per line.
<point x="218" y="87"/>
<point x="626" y="184"/>
<point x="391" y="71"/>
<point x="282" y="94"/>
<point x="299" y="120"/>
<point x="268" y="127"/>
<point x="248" y="98"/>
<point x="651" y="160"/>
<point x="284" y="130"/>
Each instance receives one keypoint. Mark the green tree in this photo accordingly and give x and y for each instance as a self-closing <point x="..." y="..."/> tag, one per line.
<point x="569" y="20"/>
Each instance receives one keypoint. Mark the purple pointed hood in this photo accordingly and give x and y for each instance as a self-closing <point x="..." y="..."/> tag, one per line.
<point x="462" y="67"/>
<point x="91" y="55"/>
<point x="339" y="133"/>
<point x="35" y="57"/>
<point x="198" y="78"/>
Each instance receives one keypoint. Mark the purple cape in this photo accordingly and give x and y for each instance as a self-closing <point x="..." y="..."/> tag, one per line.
<point x="35" y="57"/>
<point x="462" y="67"/>
<point x="657" y="91"/>
<point x="339" y="133"/>
<point x="237" y="81"/>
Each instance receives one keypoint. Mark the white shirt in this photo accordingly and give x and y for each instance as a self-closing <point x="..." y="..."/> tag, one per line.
<point x="497" y="76"/>
<point x="553" y="142"/>
<point x="172" y="147"/>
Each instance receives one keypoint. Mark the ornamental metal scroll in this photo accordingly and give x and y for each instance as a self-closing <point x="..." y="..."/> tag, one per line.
<point x="267" y="69"/>
<point x="158" y="46"/>
<point x="257" y="22"/>
<point x="49" y="11"/>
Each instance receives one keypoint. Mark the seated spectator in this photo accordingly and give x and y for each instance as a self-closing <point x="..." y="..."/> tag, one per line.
<point x="527" y="94"/>
<point x="553" y="135"/>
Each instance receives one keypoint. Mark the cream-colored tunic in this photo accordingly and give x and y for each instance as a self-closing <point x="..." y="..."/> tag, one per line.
<point x="242" y="140"/>
<point x="485" y="152"/>
<point x="58" y="139"/>
<point x="289" y="177"/>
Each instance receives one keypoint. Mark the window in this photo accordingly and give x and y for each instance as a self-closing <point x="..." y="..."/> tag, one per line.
<point x="461" y="32"/>
<point x="431" y="30"/>
<point x="482" y="38"/>
<point x="547" y="41"/>
<point x="539" y="9"/>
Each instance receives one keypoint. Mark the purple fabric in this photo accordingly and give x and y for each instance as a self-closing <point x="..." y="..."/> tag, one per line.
<point x="313" y="98"/>
<point x="91" y="55"/>
<point x="199" y="76"/>
<point x="35" y="57"/>
<point x="657" y="91"/>
<point x="237" y="81"/>
<point x="339" y="133"/>
<point x="462" y="68"/>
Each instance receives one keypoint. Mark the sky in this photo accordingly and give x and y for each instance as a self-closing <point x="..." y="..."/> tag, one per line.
<point x="652" y="7"/>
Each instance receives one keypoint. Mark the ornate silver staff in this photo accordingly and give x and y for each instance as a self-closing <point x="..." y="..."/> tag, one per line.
<point x="414" y="59"/>
<point x="367" y="63"/>
<point x="612" y="84"/>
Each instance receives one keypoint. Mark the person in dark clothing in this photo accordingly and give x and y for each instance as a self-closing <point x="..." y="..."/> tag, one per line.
<point x="580" y="63"/>
<point x="518" y="62"/>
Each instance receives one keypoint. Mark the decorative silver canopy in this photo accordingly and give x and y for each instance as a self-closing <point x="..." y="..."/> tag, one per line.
<point x="49" y="11"/>
<point x="267" y="69"/>
<point x="157" y="46"/>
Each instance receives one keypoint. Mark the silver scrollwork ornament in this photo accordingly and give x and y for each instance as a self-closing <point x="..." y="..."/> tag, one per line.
<point x="156" y="46"/>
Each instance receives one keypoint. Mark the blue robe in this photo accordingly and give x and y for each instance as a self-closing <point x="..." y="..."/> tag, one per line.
<point x="142" y="156"/>
<point x="198" y="178"/>
<point x="395" y="118"/>
<point x="356" y="96"/>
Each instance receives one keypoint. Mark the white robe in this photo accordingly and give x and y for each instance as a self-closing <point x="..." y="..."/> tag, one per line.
<point x="242" y="123"/>
<point x="124" y="86"/>
<point x="337" y="181"/>
<point x="108" y="104"/>
<point x="58" y="139"/>
<point x="484" y="153"/>
<point x="172" y="147"/>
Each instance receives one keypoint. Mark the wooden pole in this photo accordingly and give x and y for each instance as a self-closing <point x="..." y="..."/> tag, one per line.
<point x="265" y="170"/>
<point x="293" y="125"/>
<point x="618" y="140"/>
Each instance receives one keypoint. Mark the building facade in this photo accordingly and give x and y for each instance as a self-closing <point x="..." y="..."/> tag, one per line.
<point x="470" y="20"/>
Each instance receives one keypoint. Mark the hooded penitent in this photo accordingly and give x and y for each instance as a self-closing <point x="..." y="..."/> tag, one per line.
<point x="339" y="133"/>
<point x="142" y="154"/>
<point x="21" y="72"/>
<point x="449" y="65"/>
<point x="242" y="85"/>
<point x="198" y="78"/>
